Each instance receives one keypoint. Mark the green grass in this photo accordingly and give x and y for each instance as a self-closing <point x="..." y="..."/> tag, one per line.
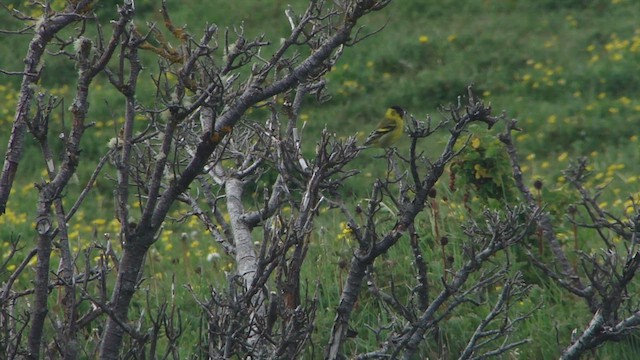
<point x="567" y="70"/>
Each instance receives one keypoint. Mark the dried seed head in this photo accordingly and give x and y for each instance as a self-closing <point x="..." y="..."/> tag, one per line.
<point x="343" y="264"/>
<point x="433" y="193"/>
<point x="537" y="184"/>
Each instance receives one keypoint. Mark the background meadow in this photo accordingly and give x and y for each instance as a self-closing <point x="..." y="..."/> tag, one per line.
<point x="568" y="71"/>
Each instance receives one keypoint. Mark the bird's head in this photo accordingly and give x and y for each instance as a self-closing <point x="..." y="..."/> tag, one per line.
<point x="398" y="110"/>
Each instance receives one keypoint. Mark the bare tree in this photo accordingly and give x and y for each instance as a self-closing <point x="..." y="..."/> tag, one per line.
<point x="221" y="101"/>
<point x="59" y="175"/>
<point x="416" y="186"/>
<point x="215" y="75"/>
<point x="602" y="280"/>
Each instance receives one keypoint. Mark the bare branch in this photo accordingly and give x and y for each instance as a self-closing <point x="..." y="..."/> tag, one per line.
<point x="544" y="221"/>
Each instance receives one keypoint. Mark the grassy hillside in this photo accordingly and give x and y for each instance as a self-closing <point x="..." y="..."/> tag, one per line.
<point x="567" y="70"/>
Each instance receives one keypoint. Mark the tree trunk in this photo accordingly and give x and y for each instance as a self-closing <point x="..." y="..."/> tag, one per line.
<point x="245" y="255"/>
<point x="41" y="293"/>
<point x="130" y="267"/>
<point x="245" y="252"/>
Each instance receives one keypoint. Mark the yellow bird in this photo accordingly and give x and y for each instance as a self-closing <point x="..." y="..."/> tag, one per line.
<point x="389" y="130"/>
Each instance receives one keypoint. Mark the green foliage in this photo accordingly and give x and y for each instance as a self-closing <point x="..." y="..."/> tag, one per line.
<point x="483" y="167"/>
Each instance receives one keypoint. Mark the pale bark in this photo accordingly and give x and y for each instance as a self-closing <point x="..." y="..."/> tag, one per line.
<point x="245" y="251"/>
